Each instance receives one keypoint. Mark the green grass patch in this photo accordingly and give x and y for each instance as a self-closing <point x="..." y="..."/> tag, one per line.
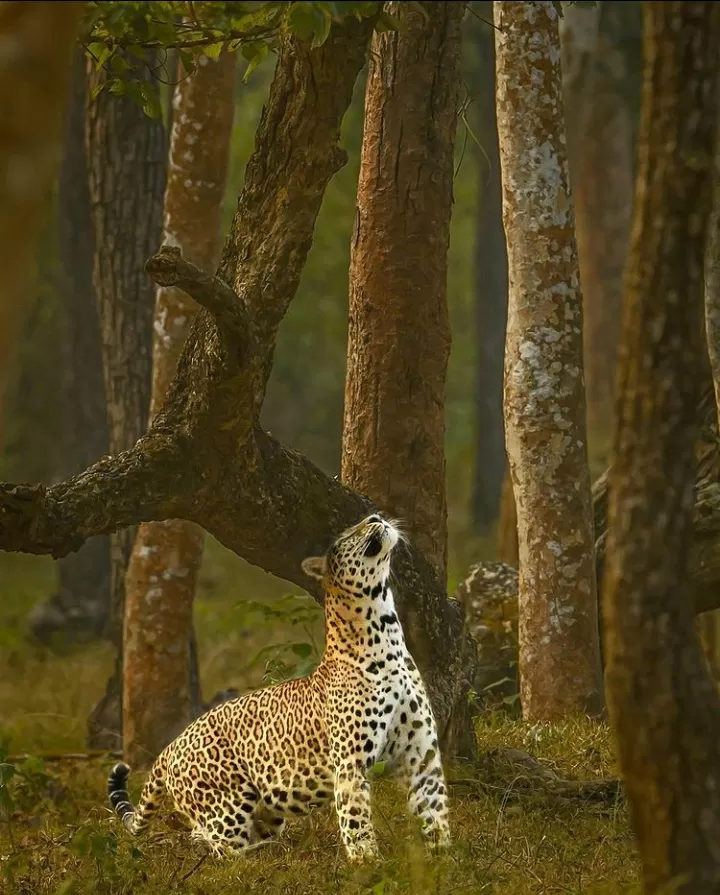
<point x="57" y="836"/>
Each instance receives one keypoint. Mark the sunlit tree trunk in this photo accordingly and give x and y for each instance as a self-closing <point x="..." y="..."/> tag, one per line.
<point x="399" y="335"/>
<point x="126" y="156"/>
<point x="544" y="393"/>
<point x="163" y="570"/>
<point x="34" y="76"/>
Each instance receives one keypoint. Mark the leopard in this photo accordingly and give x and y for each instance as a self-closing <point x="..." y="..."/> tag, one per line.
<point x="242" y="769"/>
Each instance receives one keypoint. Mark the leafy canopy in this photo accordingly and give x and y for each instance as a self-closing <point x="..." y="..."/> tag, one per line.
<point x="116" y="33"/>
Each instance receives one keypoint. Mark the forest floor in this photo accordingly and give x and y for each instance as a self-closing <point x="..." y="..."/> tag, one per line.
<point x="57" y="836"/>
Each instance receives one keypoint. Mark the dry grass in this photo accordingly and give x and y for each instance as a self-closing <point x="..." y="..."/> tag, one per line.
<point x="60" y="839"/>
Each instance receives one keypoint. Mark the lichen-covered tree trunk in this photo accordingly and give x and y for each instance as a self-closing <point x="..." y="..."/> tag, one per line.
<point x="399" y="329"/>
<point x="34" y="75"/>
<point x="663" y="705"/>
<point x="81" y="605"/>
<point x="166" y="558"/>
<point x="490" y="286"/>
<point x="544" y="393"/>
<point x="126" y="157"/>
<point x="205" y="457"/>
<point x="600" y="151"/>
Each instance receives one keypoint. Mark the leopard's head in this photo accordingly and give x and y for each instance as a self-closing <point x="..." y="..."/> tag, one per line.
<point x="359" y="560"/>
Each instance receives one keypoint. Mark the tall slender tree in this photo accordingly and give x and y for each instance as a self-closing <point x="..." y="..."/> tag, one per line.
<point x="399" y="334"/>
<point x="598" y="115"/>
<point x="81" y="604"/>
<point x="663" y="705"/>
<point x="163" y="570"/>
<point x="544" y="393"/>
<point x="491" y="284"/>
<point x="127" y="160"/>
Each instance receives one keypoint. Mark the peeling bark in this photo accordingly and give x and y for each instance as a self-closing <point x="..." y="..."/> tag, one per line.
<point x="35" y="66"/>
<point x="126" y="156"/>
<point x="399" y="327"/>
<point x="163" y="570"/>
<point x="663" y="705"/>
<point x="544" y="393"/>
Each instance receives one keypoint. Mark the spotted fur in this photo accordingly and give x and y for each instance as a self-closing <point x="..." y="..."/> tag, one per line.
<point x="239" y="771"/>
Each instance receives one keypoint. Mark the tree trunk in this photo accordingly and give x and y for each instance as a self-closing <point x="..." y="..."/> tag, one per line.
<point x="663" y="705"/>
<point x="544" y="395"/>
<point x="600" y="152"/>
<point x="126" y="154"/>
<point x="163" y="570"/>
<point x="399" y="328"/>
<point x="81" y="605"/>
<point x="205" y="457"/>
<point x="507" y="535"/>
<point x="34" y="78"/>
<point x="491" y="288"/>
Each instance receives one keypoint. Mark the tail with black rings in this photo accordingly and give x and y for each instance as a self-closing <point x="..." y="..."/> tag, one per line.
<point x="135" y="819"/>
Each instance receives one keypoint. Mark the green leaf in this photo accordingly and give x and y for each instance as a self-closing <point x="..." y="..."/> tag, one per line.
<point x="212" y="51"/>
<point x="259" y="53"/>
<point x="378" y="769"/>
<point x="304" y="650"/>
<point x="188" y="61"/>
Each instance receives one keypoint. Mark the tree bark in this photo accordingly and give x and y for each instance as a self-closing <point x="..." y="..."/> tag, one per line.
<point x="544" y="394"/>
<point x="399" y="328"/>
<point x="166" y="559"/>
<point x="491" y="285"/>
<point x="126" y="154"/>
<point x="205" y="457"/>
<point x="34" y="77"/>
<point x="81" y="605"/>
<point x="663" y="705"/>
<point x="600" y="152"/>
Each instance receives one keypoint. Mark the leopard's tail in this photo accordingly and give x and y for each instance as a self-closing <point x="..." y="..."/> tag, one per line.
<point x="135" y="819"/>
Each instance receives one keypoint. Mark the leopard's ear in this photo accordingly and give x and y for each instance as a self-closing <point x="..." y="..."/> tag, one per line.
<point x="315" y="567"/>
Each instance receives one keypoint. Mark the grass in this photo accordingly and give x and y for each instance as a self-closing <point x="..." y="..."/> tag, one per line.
<point x="57" y="837"/>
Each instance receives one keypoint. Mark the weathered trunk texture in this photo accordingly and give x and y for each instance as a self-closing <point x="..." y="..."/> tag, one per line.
<point x="34" y="78"/>
<point x="491" y="284"/>
<point x="399" y="328"/>
<point x="126" y="157"/>
<point x="663" y="705"/>
<point x="81" y="605"/>
<point x="600" y="152"/>
<point x="205" y="457"/>
<point x="166" y="559"/>
<point x="544" y="394"/>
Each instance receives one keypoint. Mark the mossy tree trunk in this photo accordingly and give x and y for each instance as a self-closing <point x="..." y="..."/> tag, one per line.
<point x="127" y="160"/>
<point x="663" y="705"/>
<point x="205" y="457"/>
<point x="160" y="587"/>
<point x="399" y="330"/>
<point x="544" y="397"/>
<point x="34" y="79"/>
